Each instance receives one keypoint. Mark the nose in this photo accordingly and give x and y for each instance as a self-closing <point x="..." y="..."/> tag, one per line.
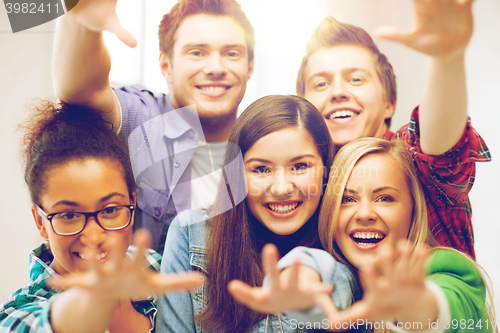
<point x="339" y="92"/>
<point x="366" y="213"/>
<point x="282" y="185"/>
<point x="214" y="66"/>
<point x="93" y="235"/>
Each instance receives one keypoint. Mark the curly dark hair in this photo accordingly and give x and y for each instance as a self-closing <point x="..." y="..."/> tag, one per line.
<point x="55" y="133"/>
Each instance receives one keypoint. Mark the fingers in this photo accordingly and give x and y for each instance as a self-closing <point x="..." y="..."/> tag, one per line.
<point x="243" y="293"/>
<point x="177" y="282"/>
<point x="326" y="304"/>
<point x="114" y="26"/>
<point x="270" y="258"/>
<point x="351" y="314"/>
<point x="393" y="34"/>
<point x="141" y="240"/>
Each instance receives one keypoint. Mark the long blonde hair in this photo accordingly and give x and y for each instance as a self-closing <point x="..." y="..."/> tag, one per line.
<point x="344" y="163"/>
<point x="419" y="232"/>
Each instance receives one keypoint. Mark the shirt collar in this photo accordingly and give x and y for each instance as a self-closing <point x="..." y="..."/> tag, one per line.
<point x="174" y="125"/>
<point x="388" y="135"/>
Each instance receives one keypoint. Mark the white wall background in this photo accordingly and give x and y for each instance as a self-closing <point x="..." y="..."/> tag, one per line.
<point x="282" y="28"/>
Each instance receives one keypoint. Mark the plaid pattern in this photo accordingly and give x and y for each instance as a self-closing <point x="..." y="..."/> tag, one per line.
<point x="447" y="180"/>
<point x="28" y="309"/>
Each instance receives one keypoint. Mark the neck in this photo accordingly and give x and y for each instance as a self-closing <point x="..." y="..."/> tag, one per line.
<point x="284" y="243"/>
<point x="210" y="129"/>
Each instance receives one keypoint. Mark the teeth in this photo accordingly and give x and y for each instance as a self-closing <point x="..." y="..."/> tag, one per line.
<point x="213" y="89"/>
<point x="100" y="256"/>
<point x="341" y="114"/>
<point x="282" y="209"/>
<point x="368" y="235"/>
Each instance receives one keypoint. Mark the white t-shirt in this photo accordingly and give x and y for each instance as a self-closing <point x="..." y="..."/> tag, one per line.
<point x="206" y="172"/>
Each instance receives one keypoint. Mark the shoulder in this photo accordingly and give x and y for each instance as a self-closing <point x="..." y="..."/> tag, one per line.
<point x="448" y="260"/>
<point x="451" y="269"/>
<point x="190" y="218"/>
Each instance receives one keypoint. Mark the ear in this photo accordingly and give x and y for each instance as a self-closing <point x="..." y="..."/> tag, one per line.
<point x="133" y="202"/>
<point x="166" y="67"/>
<point x="389" y="109"/>
<point x="250" y="69"/>
<point x="39" y="223"/>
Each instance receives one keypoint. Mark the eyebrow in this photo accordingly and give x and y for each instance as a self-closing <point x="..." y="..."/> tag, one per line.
<point x="380" y="189"/>
<point x="349" y="70"/>
<point x="75" y="204"/>
<point x="205" y="45"/>
<point x="256" y="159"/>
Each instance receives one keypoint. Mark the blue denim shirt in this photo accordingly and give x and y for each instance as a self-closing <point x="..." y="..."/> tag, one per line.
<point x="185" y="250"/>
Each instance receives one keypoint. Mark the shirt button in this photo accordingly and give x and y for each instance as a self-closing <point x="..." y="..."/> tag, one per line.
<point x="157" y="211"/>
<point x="177" y="163"/>
<point x="191" y="134"/>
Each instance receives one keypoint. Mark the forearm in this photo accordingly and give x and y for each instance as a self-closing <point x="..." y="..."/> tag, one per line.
<point x="78" y="311"/>
<point x="424" y="310"/>
<point x="81" y="63"/>
<point x="443" y="109"/>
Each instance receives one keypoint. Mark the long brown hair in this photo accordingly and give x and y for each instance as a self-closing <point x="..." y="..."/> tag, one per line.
<point x="231" y="253"/>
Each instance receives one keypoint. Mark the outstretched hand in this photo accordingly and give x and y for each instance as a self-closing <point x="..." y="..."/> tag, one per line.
<point x="119" y="277"/>
<point x="441" y="27"/>
<point x="394" y="289"/>
<point x="100" y="15"/>
<point x="296" y="287"/>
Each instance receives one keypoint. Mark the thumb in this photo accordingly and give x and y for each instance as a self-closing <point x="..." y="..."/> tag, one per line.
<point x="393" y="34"/>
<point x="114" y="26"/>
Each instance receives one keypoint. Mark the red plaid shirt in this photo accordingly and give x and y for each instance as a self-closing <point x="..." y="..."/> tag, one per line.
<point x="447" y="180"/>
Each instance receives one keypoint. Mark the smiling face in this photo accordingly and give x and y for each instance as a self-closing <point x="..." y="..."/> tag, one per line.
<point x="83" y="186"/>
<point x="284" y="173"/>
<point x="376" y="209"/>
<point x="343" y="84"/>
<point x="209" y="66"/>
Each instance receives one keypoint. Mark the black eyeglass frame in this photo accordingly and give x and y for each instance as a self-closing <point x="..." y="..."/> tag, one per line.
<point x="87" y="215"/>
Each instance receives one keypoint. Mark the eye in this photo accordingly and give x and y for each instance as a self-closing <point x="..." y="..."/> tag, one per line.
<point x="347" y="199"/>
<point x="233" y="54"/>
<point x="261" y="169"/>
<point x="320" y="85"/>
<point x="110" y="210"/>
<point x="385" y="199"/>
<point x="68" y="216"/>
<point x="356" y="80"/>
<point x="300" y="167"/>
<point x="195" y="53"/>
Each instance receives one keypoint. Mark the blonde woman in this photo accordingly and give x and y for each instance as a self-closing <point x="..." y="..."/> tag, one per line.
<point x="373" y="218"/>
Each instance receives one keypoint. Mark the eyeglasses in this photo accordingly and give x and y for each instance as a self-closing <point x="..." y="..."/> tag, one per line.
<point x="71" y="223"/>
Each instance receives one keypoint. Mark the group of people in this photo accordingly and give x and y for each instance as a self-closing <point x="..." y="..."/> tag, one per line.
<point x="373" y="227"/>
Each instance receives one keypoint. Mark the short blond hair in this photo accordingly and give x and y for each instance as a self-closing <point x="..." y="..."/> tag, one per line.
<point x="332" y="32"/>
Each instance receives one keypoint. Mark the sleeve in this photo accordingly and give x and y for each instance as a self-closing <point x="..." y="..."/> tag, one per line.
<point x="346" y="288"/>
<point x="175" y="310"/>
<point x="464" y="289"/>
<point x="137" y="106"/>
<point x="26" y="313"/>
<point x="447" y="180"/>
<point x="147" y="307"/>
<point x="449" y="176"/>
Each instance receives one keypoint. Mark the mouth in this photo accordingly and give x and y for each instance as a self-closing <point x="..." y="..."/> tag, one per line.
<point x="367" y="239"/>
<point x="283" y="208"/>
<point x="98" y="257"/>
<point x="341" y="114"/>
<point x="213" y="89"/>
